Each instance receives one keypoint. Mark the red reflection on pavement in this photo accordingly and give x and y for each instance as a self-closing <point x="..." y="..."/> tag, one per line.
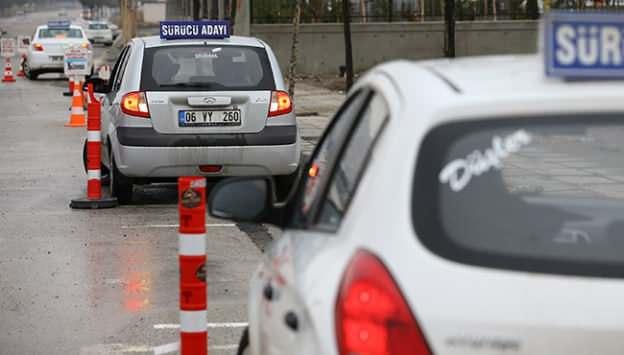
<point x="137" y="288"/>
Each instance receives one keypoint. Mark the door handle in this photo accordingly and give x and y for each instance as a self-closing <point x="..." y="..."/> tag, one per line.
<point x="292" y="321"/>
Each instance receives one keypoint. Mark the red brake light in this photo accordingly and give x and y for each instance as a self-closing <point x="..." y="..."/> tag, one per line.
<point x="372" y="316"/>
<point x="210" y="168"/>
<point x="38" y="47"/>
<point x="280" y="103"/>
<point x="135" y="104"/>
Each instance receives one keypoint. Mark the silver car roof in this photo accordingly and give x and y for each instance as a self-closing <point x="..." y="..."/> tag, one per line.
<point x="155" y="41"/>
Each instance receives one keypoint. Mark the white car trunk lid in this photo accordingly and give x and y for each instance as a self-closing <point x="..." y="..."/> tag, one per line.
<point x="165" y="108"/>
<point x="521" y="315"/>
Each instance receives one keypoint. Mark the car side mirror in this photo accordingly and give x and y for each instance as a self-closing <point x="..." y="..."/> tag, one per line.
<point x="245" y="199"/>
<point x="100" y="86"/>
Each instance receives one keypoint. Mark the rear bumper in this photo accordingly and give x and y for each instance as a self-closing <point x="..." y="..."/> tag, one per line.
<point x="144" y="153"/>
<point x="41" y="61"/>
<point x="148" y="137"/>
<point x="37" y="61"/>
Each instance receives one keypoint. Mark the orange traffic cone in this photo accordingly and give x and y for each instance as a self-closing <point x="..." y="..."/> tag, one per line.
<point x="77" y="116"/>
<point x="8" y="72"/>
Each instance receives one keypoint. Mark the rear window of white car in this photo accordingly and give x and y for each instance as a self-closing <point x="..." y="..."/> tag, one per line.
<point x="542" y="195"/>
<point x="206" y="68"/>
<point x="98" y="26"/>
<point x="46" y="33"/>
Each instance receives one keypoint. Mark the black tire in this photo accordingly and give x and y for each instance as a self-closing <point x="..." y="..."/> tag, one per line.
<point x="30" y="74"/>
<point x="285" y="183"/>
<point x="243" y="344"/>
<point x="104" y="179"/>
<point x="120" y="185"/>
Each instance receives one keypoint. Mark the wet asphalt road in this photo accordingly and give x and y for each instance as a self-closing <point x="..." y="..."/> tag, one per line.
<point x="95" y="282"/>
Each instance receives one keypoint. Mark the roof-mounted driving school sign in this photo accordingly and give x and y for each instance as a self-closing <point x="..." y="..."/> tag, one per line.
<point x="584" y="45"/>
<point x="171" y="30"/>
<point x="61" y="24"/>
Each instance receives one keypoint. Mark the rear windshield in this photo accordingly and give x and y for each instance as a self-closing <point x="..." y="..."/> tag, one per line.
<point x="541" y="195"/>
<point x="60" y="33"/>
<point x="98" y="26"/>
<point x="206" y="68"/>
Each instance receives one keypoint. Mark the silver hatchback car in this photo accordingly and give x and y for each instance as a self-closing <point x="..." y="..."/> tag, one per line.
<point x="213" y="107"/>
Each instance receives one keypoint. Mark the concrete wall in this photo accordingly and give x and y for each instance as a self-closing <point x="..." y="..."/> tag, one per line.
<point x="321" y="46"/>
<point x="154" y="12"/>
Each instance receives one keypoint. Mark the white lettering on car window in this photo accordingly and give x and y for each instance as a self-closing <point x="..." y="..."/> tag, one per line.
<point x="459" y="172"/>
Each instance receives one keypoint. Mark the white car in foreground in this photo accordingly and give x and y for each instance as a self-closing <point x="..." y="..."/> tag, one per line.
<point x="47" y="49"/>
<point x="462" y="207"/>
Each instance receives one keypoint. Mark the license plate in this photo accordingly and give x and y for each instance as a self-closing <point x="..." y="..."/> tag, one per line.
<point x="209" y="118"/>
<point x="56" y="58"/>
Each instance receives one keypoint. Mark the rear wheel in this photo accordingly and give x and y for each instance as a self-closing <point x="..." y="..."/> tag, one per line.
<point x="243" y="345"/>
<point x="285" y="183"/>
<point x="120" y="185"/>
<point x="29" y="73"/>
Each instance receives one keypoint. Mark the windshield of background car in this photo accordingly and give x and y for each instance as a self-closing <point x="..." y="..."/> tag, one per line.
<point x="98" y="26"/>
<point x="206" y="68"/>
<point x="46" y="33"/>
<point x="542" y="195"/>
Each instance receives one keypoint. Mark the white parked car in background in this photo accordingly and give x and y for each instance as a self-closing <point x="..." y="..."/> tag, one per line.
<point x="99" y="32"/>
<point x="48" y="46"/>
<point x="462" y="207"/>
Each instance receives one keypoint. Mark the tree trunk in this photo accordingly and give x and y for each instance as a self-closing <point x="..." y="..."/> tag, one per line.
<point x="494" y="13"/>
<point x="346" y="19"/>
<point x="449" y="18"/>
<point x="293" y="49"/>
<point x="363" y="10"/>
<point x="196" y="8"/>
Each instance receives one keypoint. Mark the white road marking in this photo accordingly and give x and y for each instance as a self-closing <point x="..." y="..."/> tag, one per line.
<point x="118" y="349"/>
<point x="112" y="349"/>
<point x="176" y="225"/>
<point x="223" y="347"/>
<point x="166" y="349"/>
<point x="209" y="325"/>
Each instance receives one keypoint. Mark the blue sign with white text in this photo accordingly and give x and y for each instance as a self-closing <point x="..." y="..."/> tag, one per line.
<point x="59" y="24"/>
<point x="171" y="30"/>
<point x="584" y="45"/>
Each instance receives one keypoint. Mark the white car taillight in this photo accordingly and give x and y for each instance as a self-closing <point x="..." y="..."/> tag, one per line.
<point x="280" y="103"/>
<point x="371" y="314"/>
<point x="135" y="104"/>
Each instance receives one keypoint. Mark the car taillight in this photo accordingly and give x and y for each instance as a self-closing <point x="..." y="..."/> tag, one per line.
<point x="280" y="103"/>
<point x="135" y="104"/>
<point x="38" y="47"/>
<point x="372" y="316"/>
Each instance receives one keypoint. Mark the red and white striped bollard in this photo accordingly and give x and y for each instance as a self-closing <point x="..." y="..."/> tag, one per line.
<point x="94" y="199"/>
<point x="94" y="153"/>
<point x="192" y="259"/>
